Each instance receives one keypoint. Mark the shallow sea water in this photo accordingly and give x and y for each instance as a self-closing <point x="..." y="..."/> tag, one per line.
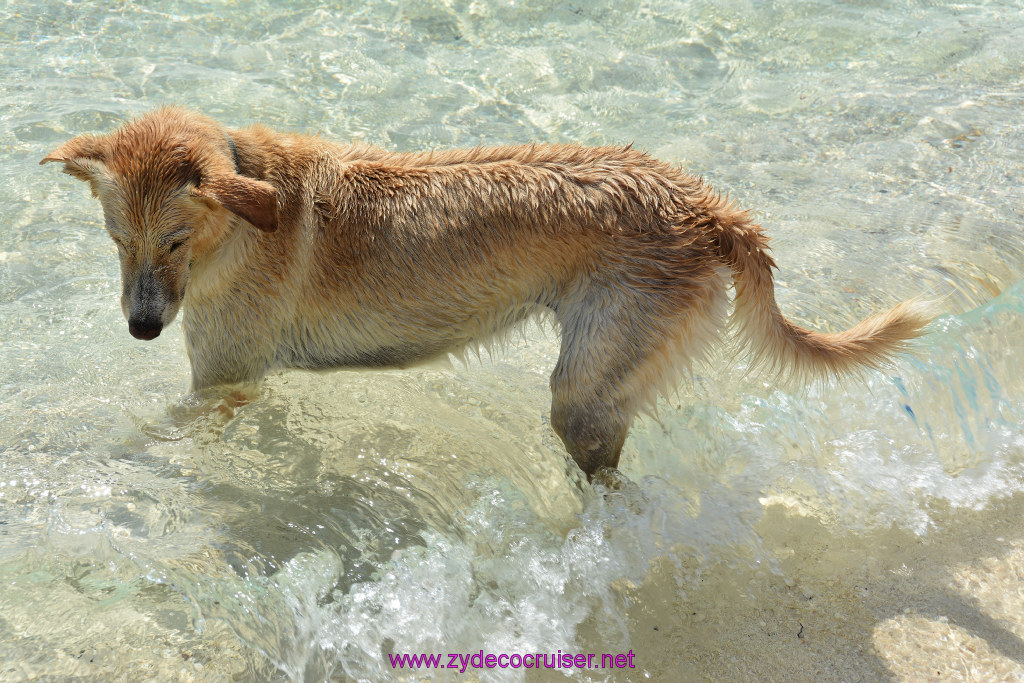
<point x="864" y="531"/>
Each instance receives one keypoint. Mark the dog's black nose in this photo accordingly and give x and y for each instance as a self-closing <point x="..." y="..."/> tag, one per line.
<point x="144" y="329"/>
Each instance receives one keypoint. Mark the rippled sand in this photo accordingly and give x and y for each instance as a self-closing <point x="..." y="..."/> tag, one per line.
<point x="886" y="605"/>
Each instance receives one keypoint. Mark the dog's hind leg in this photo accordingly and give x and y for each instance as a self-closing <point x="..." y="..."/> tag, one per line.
<point x="598" y="384"/>
<point x="593" y="431"/>
<point x="621" y="347"/>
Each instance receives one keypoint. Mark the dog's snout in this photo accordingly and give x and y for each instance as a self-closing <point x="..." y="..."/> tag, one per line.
<point x="145" y="329"/>
<point x="147" y="303"/>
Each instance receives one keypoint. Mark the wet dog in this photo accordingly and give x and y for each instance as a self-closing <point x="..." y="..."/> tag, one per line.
<point x="290" y="251"/>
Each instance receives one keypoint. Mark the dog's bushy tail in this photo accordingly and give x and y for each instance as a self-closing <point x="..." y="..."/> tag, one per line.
<point x="785" y="349"/>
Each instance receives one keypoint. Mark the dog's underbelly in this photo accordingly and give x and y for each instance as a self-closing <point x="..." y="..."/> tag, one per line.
<point x="387" y="343"/>
<point x="377" y="358"/>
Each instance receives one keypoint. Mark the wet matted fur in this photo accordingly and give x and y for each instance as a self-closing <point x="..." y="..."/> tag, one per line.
<point x="291" y="251"/>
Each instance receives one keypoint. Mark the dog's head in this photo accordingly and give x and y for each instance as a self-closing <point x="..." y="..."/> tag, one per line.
<point x="170" y="187"/>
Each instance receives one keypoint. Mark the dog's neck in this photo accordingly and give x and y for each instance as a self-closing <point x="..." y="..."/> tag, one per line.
<point x="218" y="268"/>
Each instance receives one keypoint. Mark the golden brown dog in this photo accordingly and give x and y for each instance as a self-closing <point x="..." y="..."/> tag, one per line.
<point x="289" y="251"/>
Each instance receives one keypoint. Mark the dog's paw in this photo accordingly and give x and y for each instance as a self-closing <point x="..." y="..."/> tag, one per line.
<point x="610" y="478"/>
<point x="617" y="487"/>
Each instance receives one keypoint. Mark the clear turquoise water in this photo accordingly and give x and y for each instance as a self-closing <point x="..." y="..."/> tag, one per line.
<point x="345" y="515"/>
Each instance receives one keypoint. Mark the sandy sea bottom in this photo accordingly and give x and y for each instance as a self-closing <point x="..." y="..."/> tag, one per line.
<point x="868" y="530"/>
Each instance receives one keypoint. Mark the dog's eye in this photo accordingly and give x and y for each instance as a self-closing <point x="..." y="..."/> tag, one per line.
<point x="175" y="245"/>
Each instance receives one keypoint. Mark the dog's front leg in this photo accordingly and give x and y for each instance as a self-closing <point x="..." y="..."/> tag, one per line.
<point x="225" y="397"/>
<point x="242" y="357"/>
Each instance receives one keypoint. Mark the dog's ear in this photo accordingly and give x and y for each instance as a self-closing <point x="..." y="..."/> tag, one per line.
<point x="82" y="156"/>
<point x="253" y="200"/>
